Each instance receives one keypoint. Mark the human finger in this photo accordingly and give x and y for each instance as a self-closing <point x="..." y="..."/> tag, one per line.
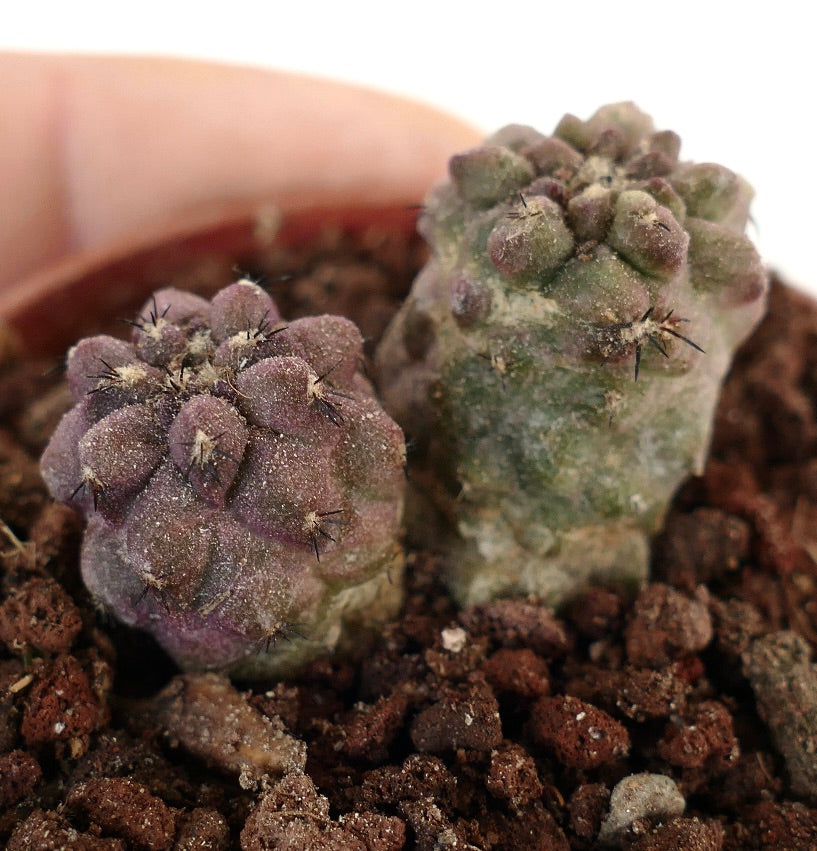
<point x="96" y="148"/>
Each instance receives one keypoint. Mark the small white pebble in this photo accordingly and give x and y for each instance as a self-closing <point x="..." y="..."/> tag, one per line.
<point x="638" y="503"/>
<point x="59" y="727"/>
<point x="638" y="796"/>
<point x="246" y="780"/>
<point x="454" y="638"/>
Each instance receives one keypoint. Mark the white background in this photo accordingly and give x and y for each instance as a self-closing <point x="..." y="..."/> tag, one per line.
<point x="737" y="84"/>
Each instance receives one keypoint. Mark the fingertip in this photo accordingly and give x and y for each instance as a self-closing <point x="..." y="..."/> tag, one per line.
<point x="105" y="146"/>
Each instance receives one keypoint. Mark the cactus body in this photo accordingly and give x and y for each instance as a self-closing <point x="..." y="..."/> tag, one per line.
<point x="559" y="358"/>
<point x="243" y="488"/>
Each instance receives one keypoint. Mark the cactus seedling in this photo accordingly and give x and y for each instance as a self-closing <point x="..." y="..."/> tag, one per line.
<point x="241" y="483"/>
<point x="559" y="358"/>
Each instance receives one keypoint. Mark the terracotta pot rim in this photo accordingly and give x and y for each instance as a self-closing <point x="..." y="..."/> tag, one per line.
<point x="42" y="309"/>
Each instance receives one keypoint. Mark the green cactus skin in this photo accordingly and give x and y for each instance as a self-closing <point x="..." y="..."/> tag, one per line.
<point x="557" y="362"/>
<point x="242" y="485"/>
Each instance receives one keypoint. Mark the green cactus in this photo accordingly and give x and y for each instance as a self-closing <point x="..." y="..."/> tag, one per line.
<point x="559" y="358"/>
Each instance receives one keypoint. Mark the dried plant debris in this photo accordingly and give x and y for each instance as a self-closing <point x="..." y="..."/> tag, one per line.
<point x="784" y="680"/>
<point x="499" y="726"/>
<point x="204" y="715"/>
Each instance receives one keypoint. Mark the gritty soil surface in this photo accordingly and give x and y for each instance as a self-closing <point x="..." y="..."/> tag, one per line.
<point x="683" y="716"/>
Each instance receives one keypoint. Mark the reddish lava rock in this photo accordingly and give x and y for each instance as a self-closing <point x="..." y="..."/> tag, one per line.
<point x="13" y="680"/>
<point x="19" y="774"/>
<point x="586" y="809"/>
<point x="465" y="717"/>
<point x="704" y="737"/>
<point x="596" y="613"/>
<point x="124" y="808"/>
<point x="532" y="828"/>
<point x="40" y="614"/>
<point x="458" y="654"/>
<point x="519" y="623"/>
<point x="21" y="493"/>
<point x="421" y="776"/>
<point x="202" y="829"/>
<point x="432" y="828"/>
<point x="789" y="826"/>
<point x="666" y="625"/>
<point x="513" y="776"/>
<point x="737" y="623"/>
<point x="520" y="672"/>
<point x="580" y="735"/>
<point x="63" y="706"/>
<point x="49" y="831"/>
<point x="293" y="815"/>
<point x="635" y="693"/>
<point x="689" y="834"/>
<point x="370" y="730"/>
<point x="702" y="546"/>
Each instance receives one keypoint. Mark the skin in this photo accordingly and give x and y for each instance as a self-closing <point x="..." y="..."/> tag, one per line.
<point x="98" y="148"/>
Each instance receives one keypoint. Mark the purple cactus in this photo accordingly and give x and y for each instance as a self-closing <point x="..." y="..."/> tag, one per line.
<point x="241" y="483"/>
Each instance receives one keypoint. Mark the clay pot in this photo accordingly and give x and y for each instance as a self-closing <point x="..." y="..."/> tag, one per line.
<point x="89" y="292"/>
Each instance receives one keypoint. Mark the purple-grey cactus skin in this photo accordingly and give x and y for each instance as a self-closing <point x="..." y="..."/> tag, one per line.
<point x="243" y="487"/>
<point x="558" y="360"/>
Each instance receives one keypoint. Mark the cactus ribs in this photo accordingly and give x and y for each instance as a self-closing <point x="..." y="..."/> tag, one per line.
<point x="561" y="259"/>
<point x="238" y="477"/>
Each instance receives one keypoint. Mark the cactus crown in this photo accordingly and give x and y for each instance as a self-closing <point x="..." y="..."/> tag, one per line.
<point x="602" y="218"/>
<point x="550" y="361"/>
<point x="240" y="481"/>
